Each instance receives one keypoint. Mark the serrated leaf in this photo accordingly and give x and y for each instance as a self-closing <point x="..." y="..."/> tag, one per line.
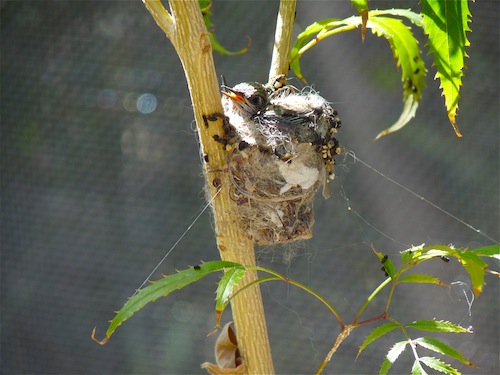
<point x="470" y="259"/>
<point x="398" y="12"/>
<point x="446" y="24"/>
<point x="420" y="278"/>
<point x="377" y="333"/>
<point x="396" y="351"/>
<point x="440" y="347"/>
<point x="392" y="355"/>
<point x="403" y="43"/>
<point x="437" y="326"/>
<point x="417" y="368"/>
<point x="162" y="288"/>
<point x="410" y="256"/>
<point x="225" y="289"/>
<point x="437" y="364"/>
<point x="407" y="54"/>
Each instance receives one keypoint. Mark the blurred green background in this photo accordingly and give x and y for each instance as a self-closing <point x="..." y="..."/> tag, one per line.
<point x="101" y="174"/>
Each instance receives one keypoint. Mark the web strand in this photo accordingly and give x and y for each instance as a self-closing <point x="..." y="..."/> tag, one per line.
<point x="178" y="240"/>
<point x="356" y="159"/>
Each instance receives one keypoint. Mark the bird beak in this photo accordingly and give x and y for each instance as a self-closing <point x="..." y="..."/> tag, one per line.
<point x="230" y="93"/>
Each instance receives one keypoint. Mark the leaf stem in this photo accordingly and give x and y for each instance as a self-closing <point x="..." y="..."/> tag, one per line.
<point x="301" y="286"/>
<point x="322" y="36"/>
<point x="370" y="298"/>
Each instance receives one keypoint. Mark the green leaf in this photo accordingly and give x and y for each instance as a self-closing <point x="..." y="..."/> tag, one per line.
<point x="437" y="326"/>
<point x="386" y="366"/>
<point x="417" y="368"/>
<point x="390" y="268"/>
<point x="392" y="356"/>
<point x="406" y="52"/>
<point x="308" y="36"/>
<point x="475" y="267"/>
<point x="387" y="263"/>
<point x="470" y="259"/>
<point x="439" y="365"/>
<point x="377" y="333"/>
<point x="225" y="289"/>
<point x="223" y="51"/>
<point x="205" y="6"/>
<point x="407" y="13"/>
<point x="403" y="43"/>
<point x="446" y="24"/>
<point x="361" y="5"/>
<point x="420" y="278"/>
<point x="440" y="347"/>
<point x="162" y="288"/>
<point x="492" y="251"/>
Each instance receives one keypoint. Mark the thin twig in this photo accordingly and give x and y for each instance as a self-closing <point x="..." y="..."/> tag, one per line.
<point x="161" y="16"/>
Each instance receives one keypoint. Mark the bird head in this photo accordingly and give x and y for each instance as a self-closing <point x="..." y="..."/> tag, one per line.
<point x="246" y="99"/>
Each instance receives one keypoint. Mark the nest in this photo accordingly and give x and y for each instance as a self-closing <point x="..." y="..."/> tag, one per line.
<point x="276" y="177"/>
<point x="272" y="208"/>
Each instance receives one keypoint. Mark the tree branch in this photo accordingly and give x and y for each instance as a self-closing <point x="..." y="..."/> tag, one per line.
<point x="283" y="39"/>
<point x="161" y="16"/>
<point x="187" y="32"/>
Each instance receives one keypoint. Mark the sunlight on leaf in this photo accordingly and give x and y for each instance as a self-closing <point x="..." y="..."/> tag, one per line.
<point x="446" y="24"/>
<point x="440" y="347"/>
<point x="409" y="110"/>
<point x="437" y="364"/>
<point x="392" y="356"/>
<point x="492" y="251"/>
<point x="420" y="278"/>
<point x="437" y="326"/>
<point x="417" y="368"/>
<point x="470" y="259"/>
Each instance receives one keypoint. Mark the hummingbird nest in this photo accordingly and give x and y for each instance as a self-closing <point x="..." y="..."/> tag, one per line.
<point x="280" y="146"/>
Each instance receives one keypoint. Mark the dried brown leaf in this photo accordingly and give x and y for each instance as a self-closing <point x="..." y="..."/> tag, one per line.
<point x="227" y="354"/>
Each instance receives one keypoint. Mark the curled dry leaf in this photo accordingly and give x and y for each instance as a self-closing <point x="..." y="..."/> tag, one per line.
<point x="227" y="354"/>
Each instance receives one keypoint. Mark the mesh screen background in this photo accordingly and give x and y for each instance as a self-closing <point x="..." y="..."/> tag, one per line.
<point x="94" y="192"/>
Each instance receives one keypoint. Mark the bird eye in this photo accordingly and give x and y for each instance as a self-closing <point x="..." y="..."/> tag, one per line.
<point x="257" y="100"/>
